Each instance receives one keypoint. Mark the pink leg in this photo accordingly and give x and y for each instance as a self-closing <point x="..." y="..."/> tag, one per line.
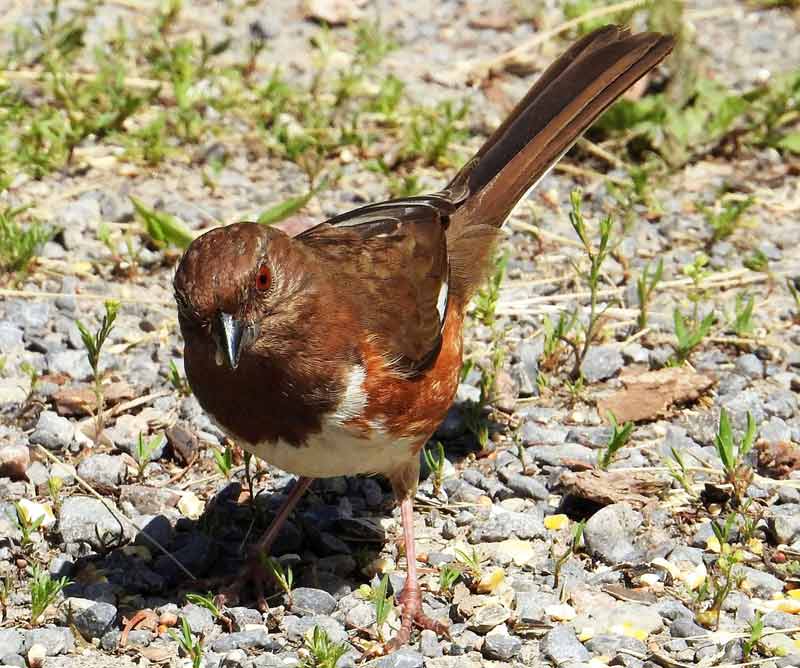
<point x="411" y="597"/>
<point x="253" y="572"/>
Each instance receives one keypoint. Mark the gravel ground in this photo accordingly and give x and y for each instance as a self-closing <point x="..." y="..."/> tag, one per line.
<point x="628" y="595"/>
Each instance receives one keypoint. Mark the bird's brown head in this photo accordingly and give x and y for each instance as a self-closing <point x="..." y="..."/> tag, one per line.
<point x="238" y="289"/>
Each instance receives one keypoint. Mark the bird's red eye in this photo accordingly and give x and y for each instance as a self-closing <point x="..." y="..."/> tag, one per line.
<point x="263" y="278"/>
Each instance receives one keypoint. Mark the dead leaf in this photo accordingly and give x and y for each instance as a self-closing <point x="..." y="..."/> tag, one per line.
<point x="650" y="394"/>
<point x="74" y="401"/>
<point x="492" y="21"/>
<point x="637" y="488"/>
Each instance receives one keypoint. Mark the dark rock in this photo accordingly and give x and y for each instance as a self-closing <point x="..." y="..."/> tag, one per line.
<point x="95" y="621"/>
<point x="685" y="628"/>
<point x="526" y="486"/>
<point x="253" y="639"/>
<point x="308" y="601"/>
<point x="562" y="646"/>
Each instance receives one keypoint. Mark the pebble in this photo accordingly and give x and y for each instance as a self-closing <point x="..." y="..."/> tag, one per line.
<point x="760" y="583"/>
<point x="11" y="642"/>
<point x="609" y="533"/>
<point x="250" y="639"/>
<point x="526" y="486"/>
<point x="297" y="627"/>
<point x="601" y="363"/>
<point x="86" y="519"/>
<point x="500" y="646"/>
<point x="487" y="617"/>
<point x="405" y="657"/>
<point x="200" y="619"/>
<point x="429" y="645"/>
<point x="562" y="646"/>
<point x="55" y="640"/>
<point x="503" y="524"/>
<point x="53" y="431"/>
<point x="103" y="470"/>
<point x="749" y="366"/>
<point x="96" y="620"/>
<point x="308" y="601"/>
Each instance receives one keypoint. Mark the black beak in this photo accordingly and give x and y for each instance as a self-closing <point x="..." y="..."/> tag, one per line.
<point x="228" y="337"/>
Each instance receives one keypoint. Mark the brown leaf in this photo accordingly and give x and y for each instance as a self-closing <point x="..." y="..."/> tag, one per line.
<point x="650" y="394"/>
<point x="778" y="460"/>
<point x="492" y="21"/>
<point x="74" y="401"/>
<point x="637" y="488"/>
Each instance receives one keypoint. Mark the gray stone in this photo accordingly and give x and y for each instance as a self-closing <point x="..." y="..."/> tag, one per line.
<point x="53" y="431"/>
<point x="244" y="616"/>
<point x="775" y="430"/>
<point x="308" y="601"/>
<point x="429" y="644"/>
<point x="10" y="337"/>
<point x="37" y="474"/>
<point x="28" y="314"/>
<point x="750" y="366"/>
<point x="780" y="620"/>
<point x="554" y="455"/>
<point x="252" y="639"/>
<point x="601" y="362"/>
<point x="104" y="470"/>
<point x="685" y="628"/>
<point x="500" y="646"/>
<point x="534" y="434"/>
<point x="361" y="616"/>
<point x="562" y="646"/>
<point x="526" y="486"/>
<point x="55" y="640"/>
<point x="609" y="533"/>
<point x="529" y="605"/>
<point x="488" y="617"/>
<point x="125" y="434"/>
<point x="763" y="585"/>
<point x="136" y="638"/>
<point x="296" y="627"/>
<point x="405" y="657"/>
<point x="155" y="527"/>
<point x="782" y="404"/>
<point x="86" y="519"/>
<point x="609" y="644"/>
<point x="200" y="619"/>
<point x="72" y="363"/>
<point x="13" y="661"/>
<point x="503" y="524"/>
<point x="11" y="641"/>
<point x="95" y="621"/>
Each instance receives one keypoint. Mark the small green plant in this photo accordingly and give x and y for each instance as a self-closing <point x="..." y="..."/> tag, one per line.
<point x="162" y="228"/>
<point x="322" y="651"/>
<point x="177" y="380"/>
<point x="26" y="524"/>
<point x="741" y="320"/>
<point x="283" y="576"/>
<point x="619" y="437"/>
<point x="574" y="546"/>
<point x="432" y="131"/>
<point x="435" y="465"/>
<point x="206" y="601"/>
<point x="757" y="261"/>
<point x="448" y="576"/>
<point x="556" y="334"/>
<point x="756" y="632"/>
<point x="143" y="452"/>
<point x="383" y="604"/>
<point x="476" y="422"/>
<point x="190" y="646"/>
<point x="723" y="223"/>
<point x="471" y="563"/>
<point x="736" y="471"/>
<point x="680" y="472"/>
<point x="487" y="297"/>
<point x="54" y="487"/>
<point x="645" y="287"/>
<point x="689" y="334"/>
<point x="19" y="244"/>
<point x="723" y="575"/>
<point x="224" y="460"/>
<point x="596" y="259"/>
<point x="93" y="343"/>
<point x="44" y="591"/>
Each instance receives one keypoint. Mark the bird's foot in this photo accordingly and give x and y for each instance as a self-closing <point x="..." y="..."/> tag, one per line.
<point x="253" y="577"/>
<point x="411" y="615"/>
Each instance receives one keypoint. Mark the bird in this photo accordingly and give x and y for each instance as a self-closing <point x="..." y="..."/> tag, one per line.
<point x="337" y="351"/>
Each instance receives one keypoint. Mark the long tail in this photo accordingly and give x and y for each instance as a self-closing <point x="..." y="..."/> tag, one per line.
<point x="563" y="102"/>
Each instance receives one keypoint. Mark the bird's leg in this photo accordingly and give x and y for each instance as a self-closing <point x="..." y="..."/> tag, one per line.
<point x="253" y="571"/>
<point x="410" y="598"/>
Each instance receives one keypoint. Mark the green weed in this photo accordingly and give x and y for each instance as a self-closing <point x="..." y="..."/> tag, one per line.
<point x="19" y="244"/>
<point x="619" y="437"/>
<point x="44" y="591"/>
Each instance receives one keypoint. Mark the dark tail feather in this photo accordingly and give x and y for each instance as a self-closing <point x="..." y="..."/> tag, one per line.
<point x="561" y="105"/>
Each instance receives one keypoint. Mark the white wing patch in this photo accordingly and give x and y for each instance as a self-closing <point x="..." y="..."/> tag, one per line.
<point x="441" y="301"/>
<point x="354" y="400"/>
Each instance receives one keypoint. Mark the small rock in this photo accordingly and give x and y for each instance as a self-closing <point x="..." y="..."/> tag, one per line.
<point x="405" y="657"/>
<point x="103" y="470"/>
<point x="55" y="640"/>
<point x="500" y="646"/>
<point x="11" y="642"/>
<point x="609" y="533"/>
<point x="53" y="431"/>
<point x="562" y="646"/>
<point x="487" y="617"/>
<point x="601" y="362"/>
<point x="200" y="619"/>
<point x="36" y="655"/>
<point x="14" y="462"/>
<point x="503" y="524"/>
<point x="308" y="601"/>
<point x="297" y="627"/>
<point x="526" y="486"/>
<point x="251" y="639"/>
<point x="763" y="585"/>
<point x="750" y="366"/>
<point x="96" y="620"/>
<point x="429" y="644"/>
<point x="86" y="519"/>
<point x="685" y="628"/>
<point x="125" y="433"/>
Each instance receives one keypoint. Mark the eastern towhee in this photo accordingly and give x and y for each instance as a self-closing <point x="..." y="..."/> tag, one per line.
<point x="337" y="352"/>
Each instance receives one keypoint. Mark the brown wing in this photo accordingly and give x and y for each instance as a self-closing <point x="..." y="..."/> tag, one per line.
<point x="391" y="261"/>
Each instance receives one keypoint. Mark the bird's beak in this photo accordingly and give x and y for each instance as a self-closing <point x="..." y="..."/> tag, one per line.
<point x="228" y="336"/>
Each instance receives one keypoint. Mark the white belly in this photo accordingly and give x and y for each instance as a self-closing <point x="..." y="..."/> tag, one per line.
<point x="336" y="451"/>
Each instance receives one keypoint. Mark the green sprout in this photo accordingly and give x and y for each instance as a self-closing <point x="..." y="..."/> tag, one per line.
<point x="44" y="591"/>
<point x="619" y="437"/>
